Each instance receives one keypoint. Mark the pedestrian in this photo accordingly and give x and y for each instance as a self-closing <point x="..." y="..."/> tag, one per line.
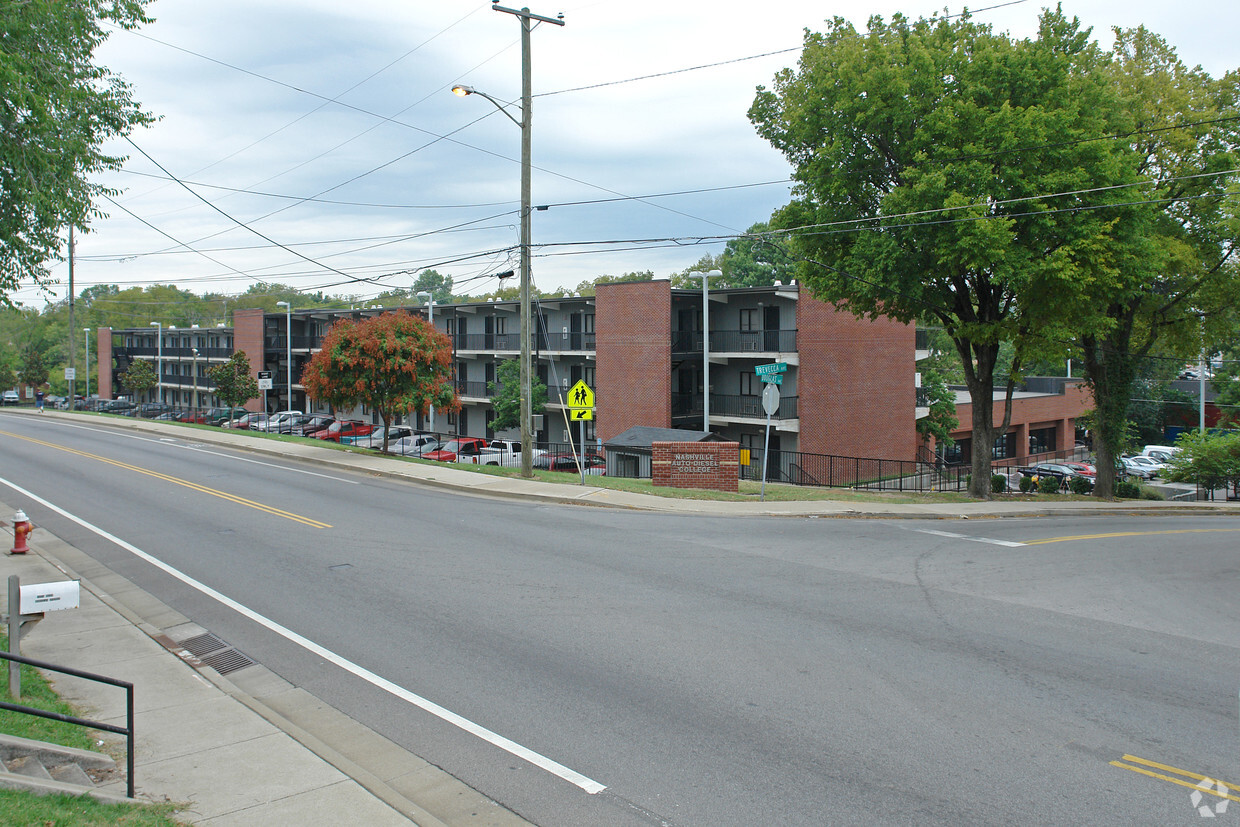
<point x="38" y="400"/>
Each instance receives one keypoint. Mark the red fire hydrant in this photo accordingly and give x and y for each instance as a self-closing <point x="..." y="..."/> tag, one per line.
<point x="21" y="527"/>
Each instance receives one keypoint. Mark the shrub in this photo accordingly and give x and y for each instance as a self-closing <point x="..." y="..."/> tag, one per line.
<point x="1026" y="484"/>
<point x="998" y="484"/>
<point x="1079" y="485"/>
<point x="1151" y="494"/>
<point x="1127" y="490"/>
<point x="1048" y="484"/>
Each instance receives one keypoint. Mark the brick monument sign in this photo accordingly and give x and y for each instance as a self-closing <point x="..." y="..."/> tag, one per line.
<point x="713" y="465"/>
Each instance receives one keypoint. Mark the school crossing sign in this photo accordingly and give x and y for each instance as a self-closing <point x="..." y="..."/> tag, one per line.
<point x="580" y="402"/>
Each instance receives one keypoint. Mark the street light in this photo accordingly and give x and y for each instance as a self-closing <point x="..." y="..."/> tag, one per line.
<point x="527" y="114"/>
<point x="430" y="312"/>
<point x="159" y="378"/>
<point x="705" y="277"/>
<point x="288" y="350"/>
<point x="86" y="336"/>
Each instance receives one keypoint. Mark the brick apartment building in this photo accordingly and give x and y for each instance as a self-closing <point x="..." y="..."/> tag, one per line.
<point x="849" y="388"/>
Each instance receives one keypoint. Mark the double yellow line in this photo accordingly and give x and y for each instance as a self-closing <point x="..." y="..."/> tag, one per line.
<point x="1148" y="768"/>
<point x="223" y="495"/>
<point x="1129" y="534"/>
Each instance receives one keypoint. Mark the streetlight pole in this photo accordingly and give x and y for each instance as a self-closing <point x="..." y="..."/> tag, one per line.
<point x="86" y="336"/>
<point x="159" y="376"/>
<point x="430" y="315"/>
<point x="706" y="277"/>
<point x="527" y="115"/>
<point x="288" y="351"/>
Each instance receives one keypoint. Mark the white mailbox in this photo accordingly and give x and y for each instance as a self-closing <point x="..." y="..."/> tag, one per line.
<point x="48" y="597"/>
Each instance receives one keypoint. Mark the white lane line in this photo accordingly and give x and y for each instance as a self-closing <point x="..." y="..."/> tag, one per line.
<point x="175" y="444"/>
<point x="953" y="536"/>
<point x="495" y="739"/>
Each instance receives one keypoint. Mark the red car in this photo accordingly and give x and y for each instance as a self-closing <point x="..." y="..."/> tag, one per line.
<point x="344" y="428"/>
<point x="593" y="462"/>
<point x="464" y="445"/>
<point x="1082" y="468"/>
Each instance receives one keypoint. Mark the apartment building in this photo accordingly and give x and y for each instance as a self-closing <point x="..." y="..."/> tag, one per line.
<point x="848" y="389"/>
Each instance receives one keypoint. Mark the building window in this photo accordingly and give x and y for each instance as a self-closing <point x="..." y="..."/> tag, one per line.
<point x="750" y="386"/>
<point x="749" y="319"/>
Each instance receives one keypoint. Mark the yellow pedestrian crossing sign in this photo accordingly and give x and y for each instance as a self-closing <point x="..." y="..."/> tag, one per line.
<point x="580" y="396"/>
<point x="580" y="414"/>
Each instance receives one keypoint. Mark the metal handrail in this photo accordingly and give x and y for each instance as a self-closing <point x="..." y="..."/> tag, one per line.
<point x="69" y="719"/>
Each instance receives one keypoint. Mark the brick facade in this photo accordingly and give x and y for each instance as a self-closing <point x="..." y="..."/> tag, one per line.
<point x="712" y="465"/>
<point x="248" y="337"/>
<point x="1057" y="412"/>
<point x="633" y="324"/>
<point x="855" y="383"/>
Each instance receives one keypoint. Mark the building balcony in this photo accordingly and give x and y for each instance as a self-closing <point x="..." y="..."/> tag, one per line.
<point x="743" y="342"/>
<point x="730" y="406"/>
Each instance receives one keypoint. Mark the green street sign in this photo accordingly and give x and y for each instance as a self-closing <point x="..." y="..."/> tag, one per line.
<point x="773" y="378"/>
<point x="771" y="369"/>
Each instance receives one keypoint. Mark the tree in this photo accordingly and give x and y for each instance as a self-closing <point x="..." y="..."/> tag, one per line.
<point x="57" y="109"/>
<point x="759" y="258"/>
<point x="1178" y="284"/>
<point x="918" y="150"/>
<point x="234" y="384"/>
<point x="506" y="393"/>
<point x="430" y="281"/>
<point x="139" y="378"/>
<point x="33" y="371"/>
<point x="1209" y="460"/>
<point x="587" y="287"/>
<point x="393" y="363"/>
<point x="941" y="420"/>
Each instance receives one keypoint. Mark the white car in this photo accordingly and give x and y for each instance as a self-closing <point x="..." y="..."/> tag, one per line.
<point x="11" y="398"/>
<point x="277" y="420"/>
<point x="1148" y="463"/>
<point x="414" y="446"/>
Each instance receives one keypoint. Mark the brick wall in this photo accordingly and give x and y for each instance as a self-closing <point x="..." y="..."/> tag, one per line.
<point x="855" y="383"/>
<point x="1058" y="411"/>
<point x="248" y="337"/>
<point x="633" y="332"/>
<point x="712" y="465"/>
<point x="103" y="350"/>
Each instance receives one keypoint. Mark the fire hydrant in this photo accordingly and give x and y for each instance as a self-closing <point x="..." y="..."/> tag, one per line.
<point x="21" y="527"/>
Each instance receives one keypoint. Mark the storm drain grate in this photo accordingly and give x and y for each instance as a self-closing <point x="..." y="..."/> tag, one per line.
<point x="230" y="660"/>
<point x="202" y="644"/>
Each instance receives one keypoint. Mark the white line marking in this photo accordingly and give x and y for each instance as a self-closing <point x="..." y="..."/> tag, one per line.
<point x="949" y="534"/>
<point x="511" y="747"/>
<point x="173" y="443"/>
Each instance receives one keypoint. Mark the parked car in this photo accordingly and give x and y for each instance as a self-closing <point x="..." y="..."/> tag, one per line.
<point x="150" y="410"/>
<point x="307" y="425"/>
<point x="219" y="416"/>
<point x="1155" y="467"/>
<point x="11" y="398"/>
<point x="120" y="407"/>
<point x="375" y="438"/>
<point x="289" y="424"/>
<point x="1083" y="469"/>
<point x="462" y="446"/>
<point x="343" y="429"/>
<point x="247" y="422"/>
<point x="1060" y="471"/>
<point x="277" y="421"/>
<point x="1134" y="469"/>
<point x="1162" y="453"/>
<point x="414" y="445"/>
<point x="594" y="463"/>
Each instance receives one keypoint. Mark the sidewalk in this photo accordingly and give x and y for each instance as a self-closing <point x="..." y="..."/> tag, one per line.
<point x="248" y="747"/>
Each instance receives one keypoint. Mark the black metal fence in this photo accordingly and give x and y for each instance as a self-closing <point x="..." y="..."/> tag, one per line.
<point x="126" y="730"/>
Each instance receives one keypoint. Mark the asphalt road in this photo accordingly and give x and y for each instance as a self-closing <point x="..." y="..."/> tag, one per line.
<point x="704" y="671"/>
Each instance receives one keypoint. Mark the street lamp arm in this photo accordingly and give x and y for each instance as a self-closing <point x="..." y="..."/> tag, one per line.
<point x="461" y="91"/>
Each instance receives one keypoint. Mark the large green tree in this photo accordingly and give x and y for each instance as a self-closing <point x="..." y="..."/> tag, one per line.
<point x="139" y="378"/>
<point x="1178" y="286"/>
<point x="234" y="384"/>
<point x="392" y="363"/>
<point x="34" y="370"/>
<point x="506" y="395"/>
<point x="927" y="157"/>
<point x="57" y="109"/>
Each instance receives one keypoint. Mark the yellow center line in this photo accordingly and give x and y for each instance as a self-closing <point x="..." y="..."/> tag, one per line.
<point x="1128" y="534"/>
<point x="1196" y="786"/>
<point x="224" y="495"/>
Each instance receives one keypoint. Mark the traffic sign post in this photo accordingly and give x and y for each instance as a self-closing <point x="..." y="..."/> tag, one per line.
<point x="264" y="385"/>
<point x="770" y="404"/>
<point x="580" y="404"/>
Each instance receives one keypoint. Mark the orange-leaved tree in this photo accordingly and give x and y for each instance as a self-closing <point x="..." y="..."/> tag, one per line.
<point x="393" y="363"/>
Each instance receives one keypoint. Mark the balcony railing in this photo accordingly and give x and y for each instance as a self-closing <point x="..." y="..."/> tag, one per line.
<point x="178" y="353"/>
<point x="728" y="405"/>
<point x="489" y="342"/>
<point x="736" y="341"/>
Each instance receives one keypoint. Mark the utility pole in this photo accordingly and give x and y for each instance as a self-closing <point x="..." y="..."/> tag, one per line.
<point x="527" y="117"/>
<point x="72" y="372"/>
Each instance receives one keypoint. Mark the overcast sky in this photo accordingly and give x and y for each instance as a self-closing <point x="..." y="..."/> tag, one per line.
<point x="329" y="128"/>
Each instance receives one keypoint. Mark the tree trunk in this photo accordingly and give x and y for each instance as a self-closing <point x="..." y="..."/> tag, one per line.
<point x="1109" y="371"/>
